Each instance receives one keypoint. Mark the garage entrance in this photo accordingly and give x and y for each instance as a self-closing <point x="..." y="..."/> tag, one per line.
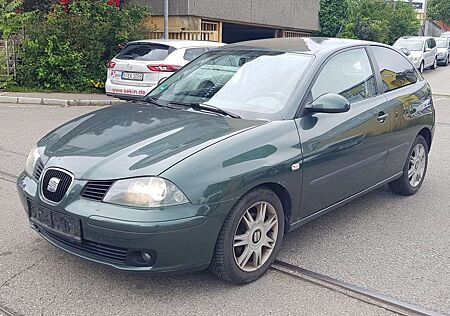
<point x="232" y="32"/>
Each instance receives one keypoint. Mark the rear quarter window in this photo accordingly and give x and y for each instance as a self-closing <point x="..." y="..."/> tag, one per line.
<point x="395" y="70"/>
<point x="192" y="53"/>
<point x="145" y="52"/>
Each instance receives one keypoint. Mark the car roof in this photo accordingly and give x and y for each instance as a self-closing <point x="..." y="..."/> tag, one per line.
<point x="416" y="37"/>
<point x="305" y="45"/>
<point x="181" y="43"/>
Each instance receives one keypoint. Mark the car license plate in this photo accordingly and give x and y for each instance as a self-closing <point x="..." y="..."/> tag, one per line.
<point x="54" y="221"/>
<point x="136" y="76"/>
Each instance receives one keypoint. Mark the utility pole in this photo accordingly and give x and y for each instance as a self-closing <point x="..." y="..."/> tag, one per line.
<point x="166" y="19"/>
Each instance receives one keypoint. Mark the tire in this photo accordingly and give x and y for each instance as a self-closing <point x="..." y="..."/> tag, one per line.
<point x="405" y="184"/>
<point x="227" y="255"/>
<point x="446" y="61"/>
<point x="422" y="67"/>
<point x="434" y="66"/>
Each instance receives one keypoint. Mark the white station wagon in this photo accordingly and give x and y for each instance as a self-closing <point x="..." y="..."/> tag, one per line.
<point x="138" y="68"/>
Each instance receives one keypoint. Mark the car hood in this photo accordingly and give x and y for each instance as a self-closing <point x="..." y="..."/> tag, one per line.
<point x="442" y="49"/>
<point x="414" y="53"/>
<point x="134" y="139"/>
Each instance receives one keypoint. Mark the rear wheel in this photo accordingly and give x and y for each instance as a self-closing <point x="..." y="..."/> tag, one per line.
<point x="434" y="66"/>
<point x="250" y="237"/>
<point x="414" y="170"/>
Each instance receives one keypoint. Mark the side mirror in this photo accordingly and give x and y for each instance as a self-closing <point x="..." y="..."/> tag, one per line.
<point x="329" y="103"/>
<point x="405" y="51"/>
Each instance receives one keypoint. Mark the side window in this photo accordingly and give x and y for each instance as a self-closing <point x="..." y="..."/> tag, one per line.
<point x="395" y="70"/>
<point x="433" y="43"/>
<point x="192" y="53"/>
<point x="348" y="74"/>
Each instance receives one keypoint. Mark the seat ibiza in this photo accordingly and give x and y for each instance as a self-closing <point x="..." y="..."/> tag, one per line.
<point x="237" y="148"/>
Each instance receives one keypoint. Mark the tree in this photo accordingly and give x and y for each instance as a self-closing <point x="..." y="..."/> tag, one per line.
<point x="439" y="10"/>
<point x="11" y="20"/>
<point x="40" y="5"/>
<point x="332" y="16"/>
<point x="380" y="20"/>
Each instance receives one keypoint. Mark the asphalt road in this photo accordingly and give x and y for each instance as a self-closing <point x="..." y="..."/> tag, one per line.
<point x="395" y="245"/>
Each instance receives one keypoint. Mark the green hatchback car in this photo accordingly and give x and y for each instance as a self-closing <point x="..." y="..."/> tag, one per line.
<point x="224" y="157"/>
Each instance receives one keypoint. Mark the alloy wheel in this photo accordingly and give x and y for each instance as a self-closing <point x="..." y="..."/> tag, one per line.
<point x="421" y="67"/>
<point x="255" y="236"/>
<point x="417" y="164"/>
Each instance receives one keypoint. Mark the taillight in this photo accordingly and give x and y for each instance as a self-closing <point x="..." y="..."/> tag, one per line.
<point x="110" y="64"/>
<point x="163" y="68"/>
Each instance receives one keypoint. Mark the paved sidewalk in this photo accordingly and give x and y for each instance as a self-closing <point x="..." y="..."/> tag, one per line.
<point x="59" y="99"/>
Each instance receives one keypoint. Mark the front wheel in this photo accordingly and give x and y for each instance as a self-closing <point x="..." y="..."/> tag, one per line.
<point x="446" y="60"/>
<point x="414" y="170"/>
<point x="422" y="67"/>
<point x="250" y="237"/>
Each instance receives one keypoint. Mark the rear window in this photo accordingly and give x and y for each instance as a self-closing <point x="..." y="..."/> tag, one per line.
<point x="145" y="52"/>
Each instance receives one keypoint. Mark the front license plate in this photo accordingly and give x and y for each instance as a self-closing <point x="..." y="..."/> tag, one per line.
<point x="136" y="76"/>
<point x="54" y="221"/>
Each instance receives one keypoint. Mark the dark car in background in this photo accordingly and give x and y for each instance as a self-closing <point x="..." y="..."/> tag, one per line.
<point x="231" y="152"/>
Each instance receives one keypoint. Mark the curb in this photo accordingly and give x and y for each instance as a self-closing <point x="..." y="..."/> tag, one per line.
<point x="57" y="102"/>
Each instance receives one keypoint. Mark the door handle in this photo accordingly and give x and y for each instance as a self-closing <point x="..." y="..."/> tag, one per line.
<point x="382" y="117"/>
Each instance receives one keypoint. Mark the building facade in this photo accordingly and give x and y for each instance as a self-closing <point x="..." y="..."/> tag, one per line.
<point x="235" y="20"/>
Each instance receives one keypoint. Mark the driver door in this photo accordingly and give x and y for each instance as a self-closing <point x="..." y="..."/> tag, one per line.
<point x="343" y="153"/>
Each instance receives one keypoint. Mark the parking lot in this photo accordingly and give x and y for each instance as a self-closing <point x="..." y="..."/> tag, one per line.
<point x="393" y="245"/>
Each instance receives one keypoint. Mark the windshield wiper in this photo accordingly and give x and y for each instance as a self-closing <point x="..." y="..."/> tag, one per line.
<point x="206" y="107"/>
<point x="154" y="102"/>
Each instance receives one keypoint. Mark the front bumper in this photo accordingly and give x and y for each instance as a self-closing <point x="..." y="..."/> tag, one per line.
<point x="441" y="58"/>
<point x="116" y="236"/>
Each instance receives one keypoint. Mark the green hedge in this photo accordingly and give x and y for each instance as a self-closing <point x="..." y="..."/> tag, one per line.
<point x="68" y="51"/>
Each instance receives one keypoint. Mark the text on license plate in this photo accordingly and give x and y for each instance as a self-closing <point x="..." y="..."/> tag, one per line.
<point x="61" y="223"/>
<point x="133" y="76"/>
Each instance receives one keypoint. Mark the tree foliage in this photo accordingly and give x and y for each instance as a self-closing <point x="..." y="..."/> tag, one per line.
<point x="375" y="20"/>
<point x="439" y="10"/>
<point x="11" y="20"/>
<point x="332" y="16"/>
<point x="67" y="51"/>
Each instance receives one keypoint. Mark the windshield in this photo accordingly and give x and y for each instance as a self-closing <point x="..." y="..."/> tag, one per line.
<point x="255" y="84"/>
<point x="412" y="45"/>
<point x="441" y="43"/>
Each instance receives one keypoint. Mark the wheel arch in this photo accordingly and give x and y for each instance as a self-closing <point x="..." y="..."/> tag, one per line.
<point x="426" y="133"/>
<point x="285" y="198"/>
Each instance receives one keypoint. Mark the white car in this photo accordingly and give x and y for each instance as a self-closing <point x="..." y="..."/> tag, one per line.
<point x="443" y="49"/>
<point x="138" y="68"/>
<point x="420" y="50"/>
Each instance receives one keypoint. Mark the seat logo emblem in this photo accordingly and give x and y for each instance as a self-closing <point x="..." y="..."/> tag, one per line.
<point x="53" y="185"/>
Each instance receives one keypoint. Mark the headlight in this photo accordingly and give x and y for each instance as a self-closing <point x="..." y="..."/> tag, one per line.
<point x="145" y="192"/>
<point x="33" y="156"/>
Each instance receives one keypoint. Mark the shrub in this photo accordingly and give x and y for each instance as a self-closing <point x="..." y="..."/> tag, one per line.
<point x="380" y="20"/>
<point x="67" y="51"/>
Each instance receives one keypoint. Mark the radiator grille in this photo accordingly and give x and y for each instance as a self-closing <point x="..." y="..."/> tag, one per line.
<point x="96" y="189"/>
